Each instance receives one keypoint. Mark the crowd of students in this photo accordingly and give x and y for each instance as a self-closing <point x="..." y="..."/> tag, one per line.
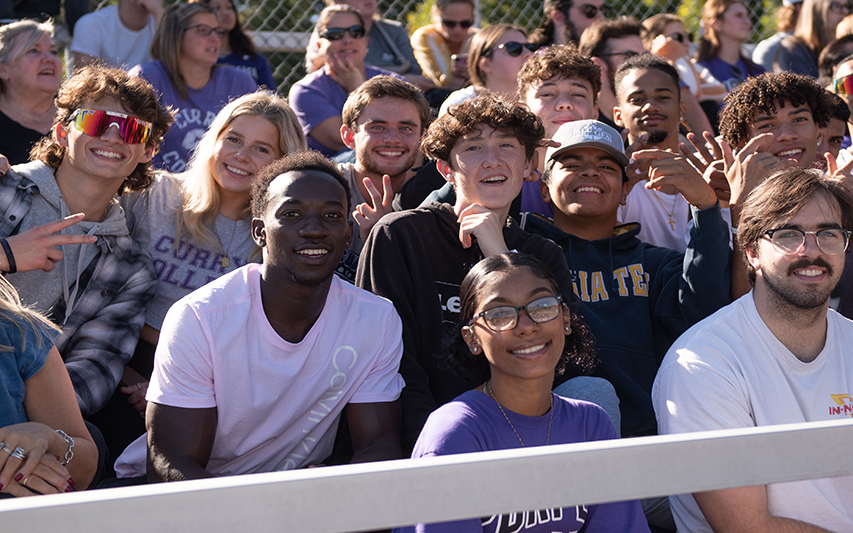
<point x="587" y="242"/>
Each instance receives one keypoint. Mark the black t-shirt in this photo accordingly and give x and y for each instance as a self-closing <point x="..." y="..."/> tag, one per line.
<point x="16" y="140"/>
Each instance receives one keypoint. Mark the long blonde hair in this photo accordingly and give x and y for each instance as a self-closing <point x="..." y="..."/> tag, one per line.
<point x="31" y="29"/>
<point x="12" y="310"/>
<point x="201" y="196"/>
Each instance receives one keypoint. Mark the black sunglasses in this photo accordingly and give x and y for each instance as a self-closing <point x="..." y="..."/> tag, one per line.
<point x="681" y="37"/>
<point x="336" y="34"/>
<point x="514" y="48"/>
<point x="464" y="24"/>
<point x="590" y="11"/>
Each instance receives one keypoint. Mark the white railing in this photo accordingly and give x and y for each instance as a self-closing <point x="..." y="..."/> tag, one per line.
<point x="382" y="495"/>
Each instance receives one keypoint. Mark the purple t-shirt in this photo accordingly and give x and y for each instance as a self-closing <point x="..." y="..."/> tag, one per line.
<point x="731" y="75"/>
<point x="317" y="97"/>
<point x="473" y="422"/>
<point x="193" y="115"/>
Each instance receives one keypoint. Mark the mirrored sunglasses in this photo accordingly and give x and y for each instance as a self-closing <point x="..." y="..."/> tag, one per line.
<point x="505" y="317"/>
<point x="590" y="11"/>
<point x="843" y="86"/>
<point x="514" y="48"/>
<point x="450" y="24"/>
<point x="336" y="34"/>
<point x="95" y="123"/>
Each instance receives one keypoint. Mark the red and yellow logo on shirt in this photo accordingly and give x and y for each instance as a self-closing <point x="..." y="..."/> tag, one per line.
<point x="845" y="405"/>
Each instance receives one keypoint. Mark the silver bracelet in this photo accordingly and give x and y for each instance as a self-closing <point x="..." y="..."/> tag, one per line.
<point x="70" y="453"/>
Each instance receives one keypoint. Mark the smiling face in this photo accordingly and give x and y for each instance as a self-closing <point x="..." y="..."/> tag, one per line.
<point x="198" y="48"/>
<point x="585" y="187"/>
<point x="106" y="157"/>
<point x="304" y="230"/>
<point x="648" y="102"/>
<point x="560" y="100"/>
<point x="387" y="137"/>
<point x="35" y="70"/>
<point x="832" y="138"/>
<point x="487" y="167"/>
<point x="804" y="279"/>
<point x="244" y="148"/>
<point x="795" y="134"/>
<point x="530" y="350"/>
<point x="348" y="47"/>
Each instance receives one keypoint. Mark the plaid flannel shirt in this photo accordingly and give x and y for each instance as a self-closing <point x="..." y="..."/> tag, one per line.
<point x="100" y="335"/>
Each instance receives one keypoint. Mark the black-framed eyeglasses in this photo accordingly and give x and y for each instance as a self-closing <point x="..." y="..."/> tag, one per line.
<point x="336" y="34"/>
<point x="626" y="53"/>
<point x="590" y="11"/>
<point x="204" y="30"/>
<point x="505" y="317"/>
<point x="450" y="24"/>
<point x="514" y="48"/>
<point x="830" y="241"/>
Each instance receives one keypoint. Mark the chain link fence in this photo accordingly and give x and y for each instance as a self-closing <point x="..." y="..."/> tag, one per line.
<point x="282" y="26"/>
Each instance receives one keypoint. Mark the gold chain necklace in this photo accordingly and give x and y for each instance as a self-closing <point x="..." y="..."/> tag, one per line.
<point x="671" y="214"/>
<point x="487" y="388"/>
<point x="225" y="261"/>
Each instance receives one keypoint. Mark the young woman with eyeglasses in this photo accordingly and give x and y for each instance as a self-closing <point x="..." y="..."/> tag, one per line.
<point x="185" y="74"/>
<point x="565" y="20"/>
<point x="726" y="27"/>
<point x="318" y="98"/>
<point x="815" y="29"/>
<point x="236" y="48"/>
<point x="497" y="54"/>
<point x="441" y="48"/>
<point x="517" y="334"/>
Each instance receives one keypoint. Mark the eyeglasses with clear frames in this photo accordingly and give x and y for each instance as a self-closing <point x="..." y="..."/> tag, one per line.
<point x="505" y="317"/>
<point x="831" y="241"/>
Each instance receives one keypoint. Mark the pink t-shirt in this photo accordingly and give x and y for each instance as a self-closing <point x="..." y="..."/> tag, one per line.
<point x="278" y="404"/>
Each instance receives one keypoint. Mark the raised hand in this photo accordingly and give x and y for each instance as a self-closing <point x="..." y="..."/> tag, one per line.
<point x="475" y="220"/>
<point x="35" y="249"/>
<point x="675" y="170"/>
<point x="367" y="214"/>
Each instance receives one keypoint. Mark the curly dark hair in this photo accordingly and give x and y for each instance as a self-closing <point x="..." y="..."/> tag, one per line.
<point x="486" y="109"/>
<point x="559" y="61"/>
<point x="307" y="160"/>
<point x="578" y="353"/>
<point x="766" y="93"/>
<point x="94" y="84"/>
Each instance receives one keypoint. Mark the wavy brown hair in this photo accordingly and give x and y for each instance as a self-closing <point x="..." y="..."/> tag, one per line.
<point x="93" y="84"/>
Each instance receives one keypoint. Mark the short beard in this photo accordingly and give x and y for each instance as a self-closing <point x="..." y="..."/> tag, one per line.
<point x="805" y="300"/>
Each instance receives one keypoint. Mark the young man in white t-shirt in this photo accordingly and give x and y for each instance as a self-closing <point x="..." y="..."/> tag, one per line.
<point x="118" y="36"/>
<point x="777" y="355"/>
<point x="254" y="370"/>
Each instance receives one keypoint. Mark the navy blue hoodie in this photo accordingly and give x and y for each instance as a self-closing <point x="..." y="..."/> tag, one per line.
<point x="653" y="295"/>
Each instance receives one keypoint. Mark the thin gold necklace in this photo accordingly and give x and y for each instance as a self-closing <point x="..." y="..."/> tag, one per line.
<point x="487" y="388"/>
<point x="225" y="261"/>
<point x="671" y="214"/>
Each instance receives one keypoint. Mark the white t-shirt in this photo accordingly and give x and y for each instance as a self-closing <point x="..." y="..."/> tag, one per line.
<point x="101" y="34"/>
<point x="652" y="209"/>
<point x="278" y="404"/>
<point x="730" y="371"/>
